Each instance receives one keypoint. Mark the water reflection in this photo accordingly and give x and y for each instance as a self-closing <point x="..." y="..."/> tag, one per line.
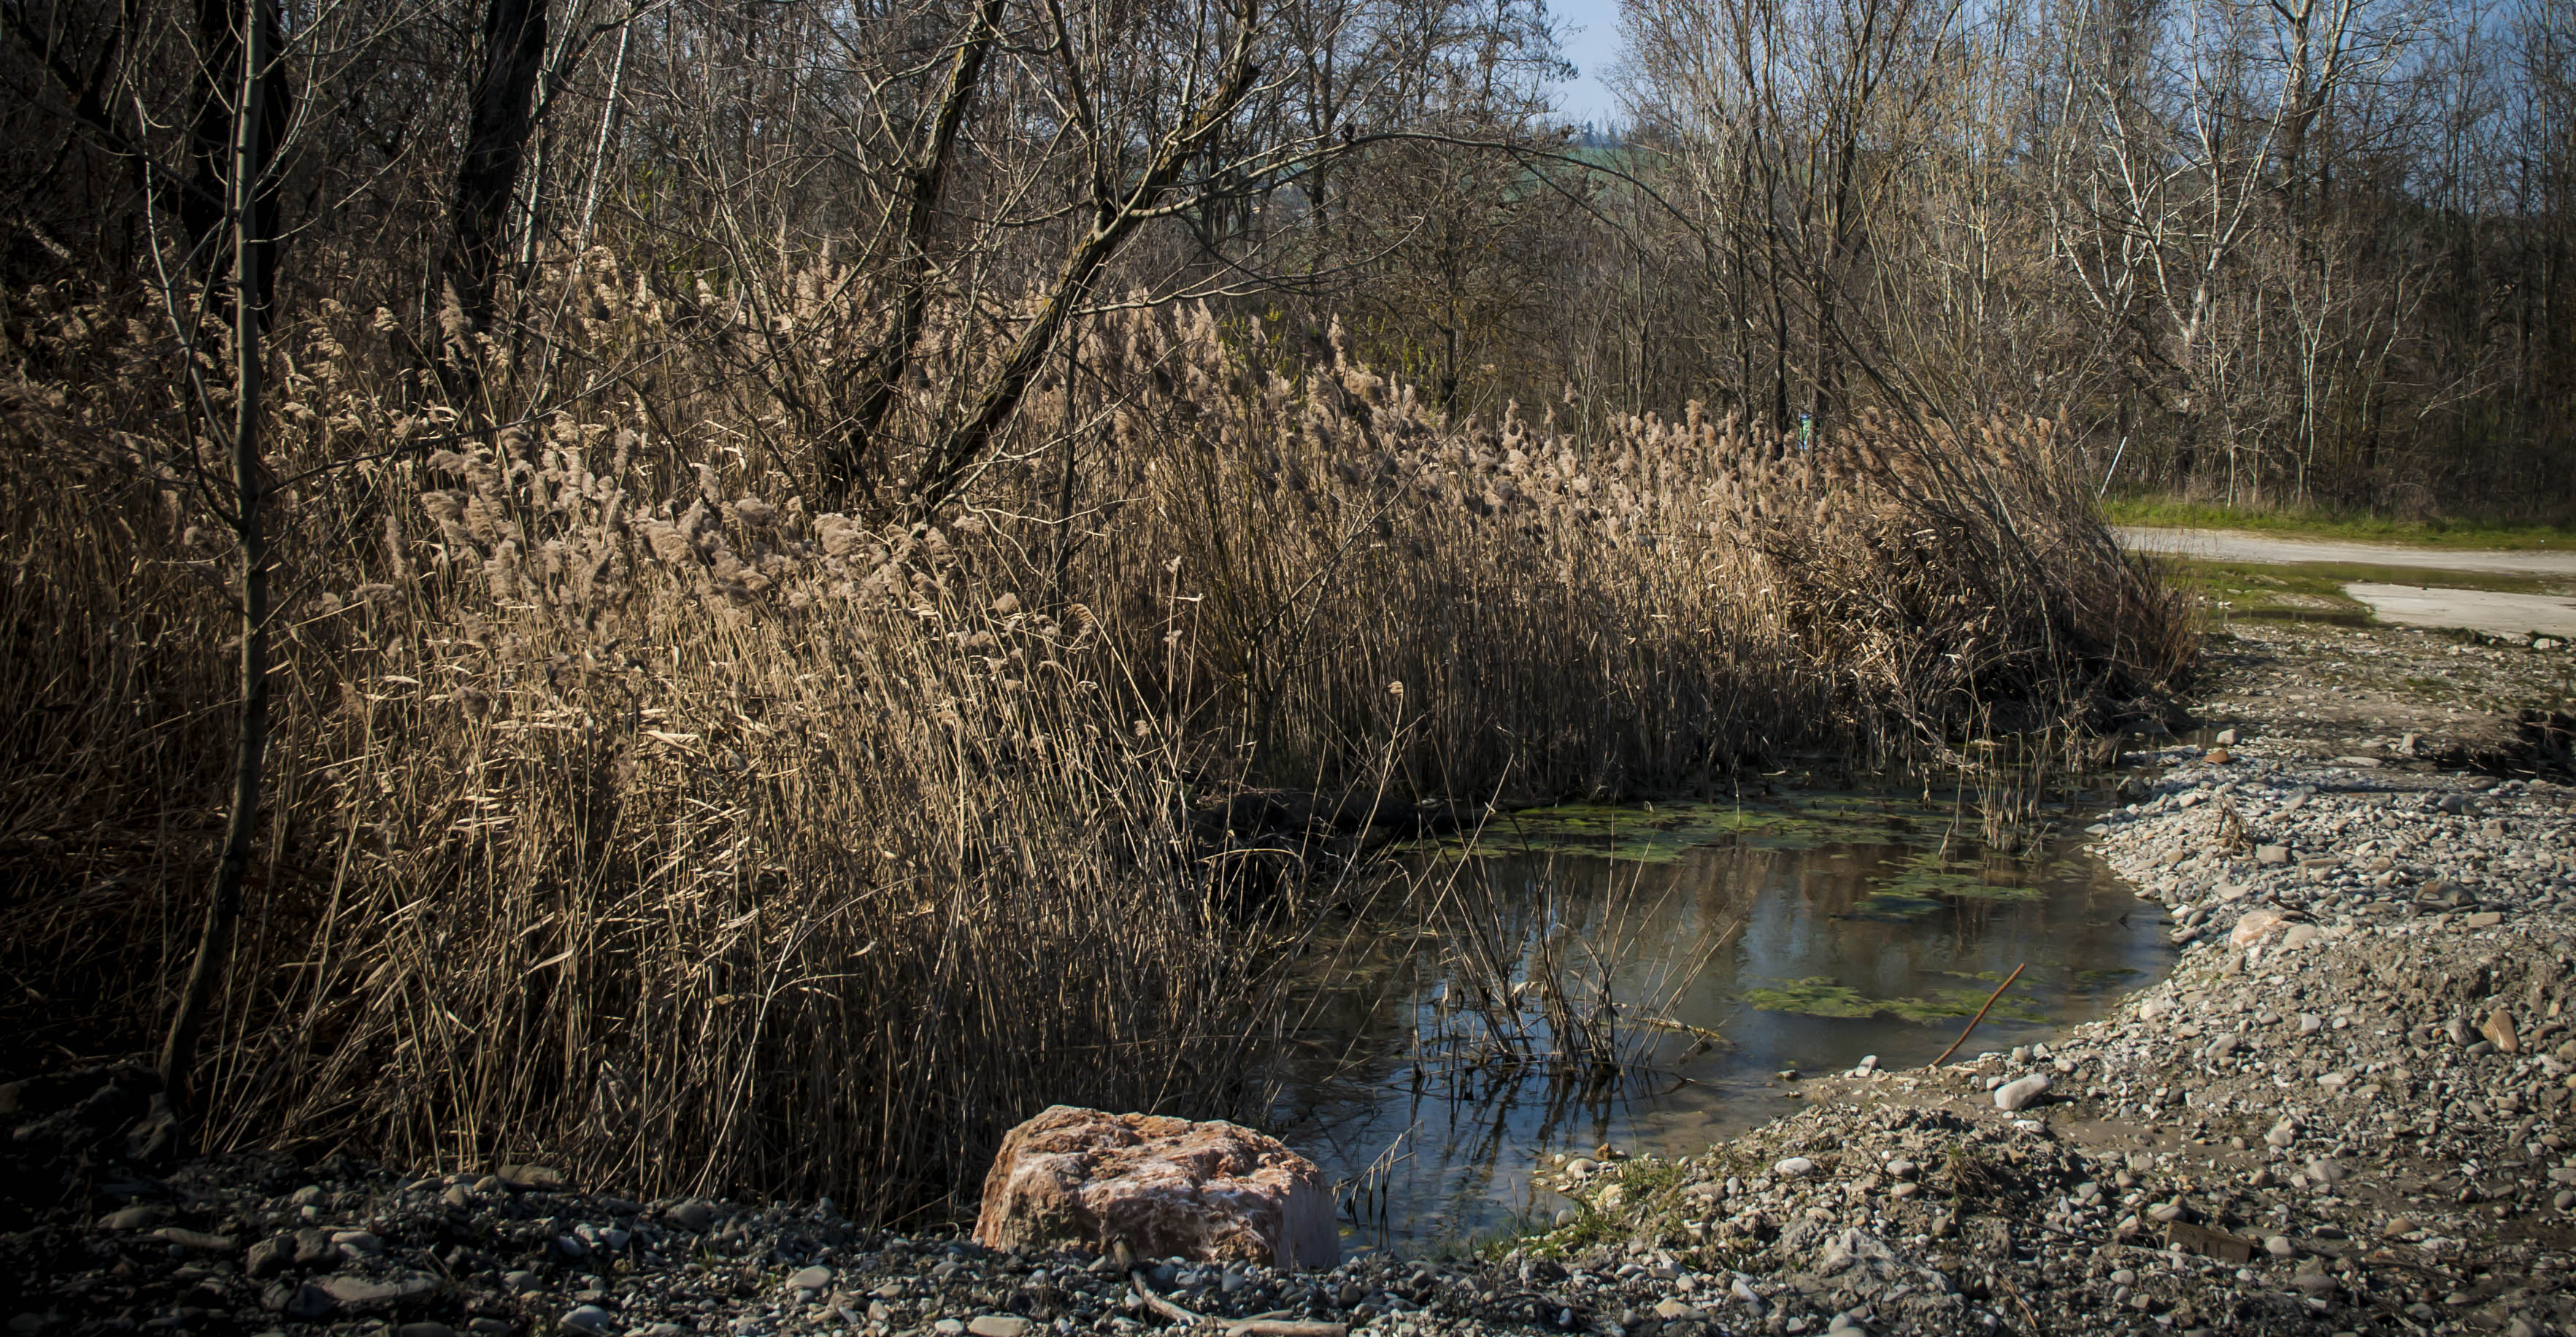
<point x="1433" y="1070"/>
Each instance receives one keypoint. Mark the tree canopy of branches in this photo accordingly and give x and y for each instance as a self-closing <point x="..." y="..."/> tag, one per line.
<point x="2303" y="252"/>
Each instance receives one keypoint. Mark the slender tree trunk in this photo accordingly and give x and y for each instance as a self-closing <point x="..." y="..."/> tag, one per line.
<point x="496" y="140"/>
<point x="607" y="124"/>
<point x="207" y="204"/>
<point x="250" y="742"/>
<point x="846" y="458"/>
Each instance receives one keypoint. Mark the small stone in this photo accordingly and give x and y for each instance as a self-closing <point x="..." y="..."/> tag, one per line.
<point x="2279" y="1246"/>
<point x="132" y="1218"/>
<point x="1669" y="1309"/>
<point x="2498" y="1026"/>
<point x="810" y="1278"/>
<point x="692" y="1215"/>
<point x="997" y="1325"/>
<point x="2226" y="738"/>
<point x="1793" y="1167"/>
<point x="269" y="1256"/>
<point x="2272" y="854"/>
<point x="2166" y="1213"/>
<point x="587" y="1319"/>
<point x="2327" y="1172"/>
<point x="949" y="1327"/>
<point x="424" y="1330"/>
<point x="2282" y="1133"/>
<point x="2217" y="756"/>
<point x="2013" y="1095"/>
<point x="2253" y="925"/>
<point x="195" y="1239"/>
<point x="2314" y="1284"/>
<point x="522" y="1282"/>
<point x="357" y="1243"/>
<point x="359" y="1292"/>
<point x="2485" y="919"/>
<point x="309" y="1301"/>
<point x="532" y="1178"/>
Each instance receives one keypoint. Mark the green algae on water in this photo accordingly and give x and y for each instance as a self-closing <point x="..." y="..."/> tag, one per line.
<point x="1820" y="996"/>
<point x="1664" y="832"/>
<point x="1896" y="904"/>
<point x="1930" y="874"/>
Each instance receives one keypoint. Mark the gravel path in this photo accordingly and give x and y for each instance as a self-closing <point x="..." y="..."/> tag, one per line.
<point x="2539" y="616"/>
<point x="2229" y="545"/>
<point x="2343" y="1113"/>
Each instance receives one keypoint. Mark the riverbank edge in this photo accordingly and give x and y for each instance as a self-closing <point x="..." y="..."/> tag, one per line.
<point x="1921" y="1205"/>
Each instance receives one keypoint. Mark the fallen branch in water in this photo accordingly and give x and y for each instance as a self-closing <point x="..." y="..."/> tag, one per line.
<point x="1981" y="1015"/>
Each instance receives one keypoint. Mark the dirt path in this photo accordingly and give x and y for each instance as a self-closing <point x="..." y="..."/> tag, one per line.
<point x="2541" y="615"/>
<point x="2236" y="546"/>
<point x="2515" y="595"/>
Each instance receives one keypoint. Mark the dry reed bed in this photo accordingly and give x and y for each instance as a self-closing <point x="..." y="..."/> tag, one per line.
<point x="628" y="816"/>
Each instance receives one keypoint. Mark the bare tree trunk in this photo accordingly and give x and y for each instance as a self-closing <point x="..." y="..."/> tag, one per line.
<point x="946" y="468"/>
<point x="845" y="457"/>
<point x="607" y="125"/>
<point x="223" y="910"/>
<point x="213" y="134"/>
<point x="498" y="125"/>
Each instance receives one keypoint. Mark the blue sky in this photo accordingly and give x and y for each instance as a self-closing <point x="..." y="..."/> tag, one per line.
<point x="1592" y="43"/>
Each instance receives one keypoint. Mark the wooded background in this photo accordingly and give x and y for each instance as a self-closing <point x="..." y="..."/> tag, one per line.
<point x="2260" y="251"/>
<point x="740" y="596"/>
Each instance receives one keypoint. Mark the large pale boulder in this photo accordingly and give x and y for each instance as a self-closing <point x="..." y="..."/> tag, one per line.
<point x="1206" y="1191"/>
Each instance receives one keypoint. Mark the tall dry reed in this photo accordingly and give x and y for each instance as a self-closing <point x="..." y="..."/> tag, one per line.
<point x="627" y="815"/>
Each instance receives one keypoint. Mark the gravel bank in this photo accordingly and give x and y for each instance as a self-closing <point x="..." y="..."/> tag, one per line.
<point x="2342" y="1113"/>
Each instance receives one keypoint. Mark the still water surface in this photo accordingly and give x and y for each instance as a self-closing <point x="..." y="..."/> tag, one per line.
<point x="1736" y="942"/>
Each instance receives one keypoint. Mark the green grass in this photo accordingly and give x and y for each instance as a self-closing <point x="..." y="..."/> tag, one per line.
<point x="2166" y="511"/>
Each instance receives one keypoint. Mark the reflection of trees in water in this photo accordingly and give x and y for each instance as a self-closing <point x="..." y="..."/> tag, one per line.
<point x="1464" y="1161"/>
<point x="1400" y="1082"/>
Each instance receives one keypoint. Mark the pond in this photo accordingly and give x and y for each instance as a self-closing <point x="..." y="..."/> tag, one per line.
<point x="1643" y="976"/>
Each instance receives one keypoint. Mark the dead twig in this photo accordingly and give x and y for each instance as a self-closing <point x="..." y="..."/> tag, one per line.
<point x="1256" y="1326"/>
<point x="1981" y="1016"/>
